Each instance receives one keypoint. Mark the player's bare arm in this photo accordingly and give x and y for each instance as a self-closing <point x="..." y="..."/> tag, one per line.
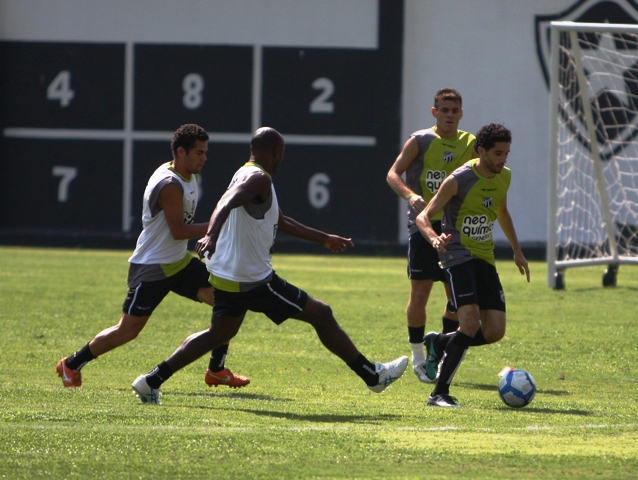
<point x="255" y="188"/>
<point x="292" y="227"/>
<point x="171" y="201"/>
<point x="507" y="224"/>
<point x="423" y="221"/>
<point x="404" y="160"/>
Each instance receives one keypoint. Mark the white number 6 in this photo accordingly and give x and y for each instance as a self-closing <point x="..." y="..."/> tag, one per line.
<point x="318" y="193"/>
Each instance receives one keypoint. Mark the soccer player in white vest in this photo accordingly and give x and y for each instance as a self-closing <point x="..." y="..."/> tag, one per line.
<point x="238" y="251"/>
<point x="161" y="263"/>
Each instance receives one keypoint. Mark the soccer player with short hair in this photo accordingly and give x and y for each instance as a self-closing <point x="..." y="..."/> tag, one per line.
<point x="161" y="263"/>
<point x="427" y="158"/>
<point x="472" y="198"/>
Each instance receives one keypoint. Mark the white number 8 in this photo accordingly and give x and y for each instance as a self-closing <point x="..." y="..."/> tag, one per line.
<point x="193" y="85"/>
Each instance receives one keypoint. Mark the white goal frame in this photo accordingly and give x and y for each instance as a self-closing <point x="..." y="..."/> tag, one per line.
<point x="609" y="255"/>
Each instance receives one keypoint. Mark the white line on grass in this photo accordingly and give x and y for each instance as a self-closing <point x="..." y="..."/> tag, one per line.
<point x="316" y="428"/>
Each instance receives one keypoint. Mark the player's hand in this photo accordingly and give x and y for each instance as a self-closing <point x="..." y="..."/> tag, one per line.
<point x="521" y="263"/>
<point x="205" y="247"/>
<point x="335" y="243"/>
<point x="440" y="242"/>
<point x="417" y="203"/>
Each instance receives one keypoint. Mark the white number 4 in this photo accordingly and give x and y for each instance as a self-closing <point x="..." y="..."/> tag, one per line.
<point x="60" y="89"/>
<point x="67" y="174"/>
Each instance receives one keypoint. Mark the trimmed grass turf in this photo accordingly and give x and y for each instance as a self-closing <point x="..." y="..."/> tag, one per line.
<point x="305" y="414"/>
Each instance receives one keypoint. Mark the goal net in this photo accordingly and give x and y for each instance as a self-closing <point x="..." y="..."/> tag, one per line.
<point x="593" y="183"/>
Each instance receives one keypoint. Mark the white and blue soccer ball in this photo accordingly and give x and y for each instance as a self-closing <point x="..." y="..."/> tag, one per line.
<point x="517" y="388"/>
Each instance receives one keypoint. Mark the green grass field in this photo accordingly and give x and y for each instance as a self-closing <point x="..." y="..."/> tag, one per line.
<point x="305" y="414"/>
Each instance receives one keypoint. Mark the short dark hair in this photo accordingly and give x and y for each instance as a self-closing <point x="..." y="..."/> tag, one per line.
<point x="491" y="134"/>
<point x="186" y="136"/>
<point x="447" y="94"/>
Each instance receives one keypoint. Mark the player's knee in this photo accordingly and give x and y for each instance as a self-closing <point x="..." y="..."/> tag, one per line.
<point x="494" y="335"/>
<point x="321" y="313"/>
<point x="419" y="296"/>
<point x="129" y="328"/>
<point x="324" y="311"/>
<point x="222" y="331"/>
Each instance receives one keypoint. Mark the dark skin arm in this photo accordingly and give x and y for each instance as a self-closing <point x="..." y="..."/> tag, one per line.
<point x="292" y="227"/>
<point x="254" y="188"/>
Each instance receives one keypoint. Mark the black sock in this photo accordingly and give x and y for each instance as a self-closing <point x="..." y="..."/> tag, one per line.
<point x="159" y="375"/>
<point x="454" y="354"/>
<point x="365" y="369"/>
<point x="441" y="341"/>
<point x="478" y="339"/>
<point x="218" y="358"/>
<point x="80" y="358"/>
<point x="449" y="325"/>
<point x="415" y="334"/>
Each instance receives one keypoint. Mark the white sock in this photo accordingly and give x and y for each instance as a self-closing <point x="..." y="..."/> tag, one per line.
<point x="418" y="355"/>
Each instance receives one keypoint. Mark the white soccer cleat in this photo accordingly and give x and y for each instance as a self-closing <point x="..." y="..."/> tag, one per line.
<point x="145" y="393"/>
<point x="388" y="373"/>
<point x="419" y="371"/>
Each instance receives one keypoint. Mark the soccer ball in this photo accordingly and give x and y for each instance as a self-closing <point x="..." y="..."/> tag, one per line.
<point x="517" y="388"/>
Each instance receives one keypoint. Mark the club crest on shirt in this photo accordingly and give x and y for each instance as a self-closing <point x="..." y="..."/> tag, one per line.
<point x="618" y="115"/>
<point x="487" y="202"/>
<point x="448" y="157"/>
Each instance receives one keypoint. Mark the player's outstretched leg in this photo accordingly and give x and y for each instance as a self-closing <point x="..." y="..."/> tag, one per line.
<point x="376" y="376"/>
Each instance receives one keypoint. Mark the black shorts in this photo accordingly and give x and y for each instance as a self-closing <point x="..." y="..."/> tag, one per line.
<point x="145" y="297"/>
<point x="476" y="282"/>
<point x="423" y="259"/>
<point x="277" y="299"/>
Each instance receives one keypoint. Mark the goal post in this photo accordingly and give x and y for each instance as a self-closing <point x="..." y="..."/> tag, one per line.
<point x="593" y="171"/>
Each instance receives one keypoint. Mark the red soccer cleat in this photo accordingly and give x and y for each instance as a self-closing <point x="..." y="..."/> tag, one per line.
<point x="70" y="378"/>
<point x="225" y="377"/>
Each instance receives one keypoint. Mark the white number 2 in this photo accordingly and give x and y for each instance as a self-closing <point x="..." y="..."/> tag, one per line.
<point x="67" y="174"/>
<point x="60" y="89"/>
<point x="321" y="103"/>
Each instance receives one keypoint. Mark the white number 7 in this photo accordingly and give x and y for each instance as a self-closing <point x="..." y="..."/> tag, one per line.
<point x="67" y="174"/>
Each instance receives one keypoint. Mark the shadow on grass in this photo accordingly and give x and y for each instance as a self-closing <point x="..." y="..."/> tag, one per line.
<point x="235" y="395"/>
<point x="597" y="289"/>
<point x="550" y="411"/>
<point x="317" y="418"/>
<point x="493" y="388"/>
